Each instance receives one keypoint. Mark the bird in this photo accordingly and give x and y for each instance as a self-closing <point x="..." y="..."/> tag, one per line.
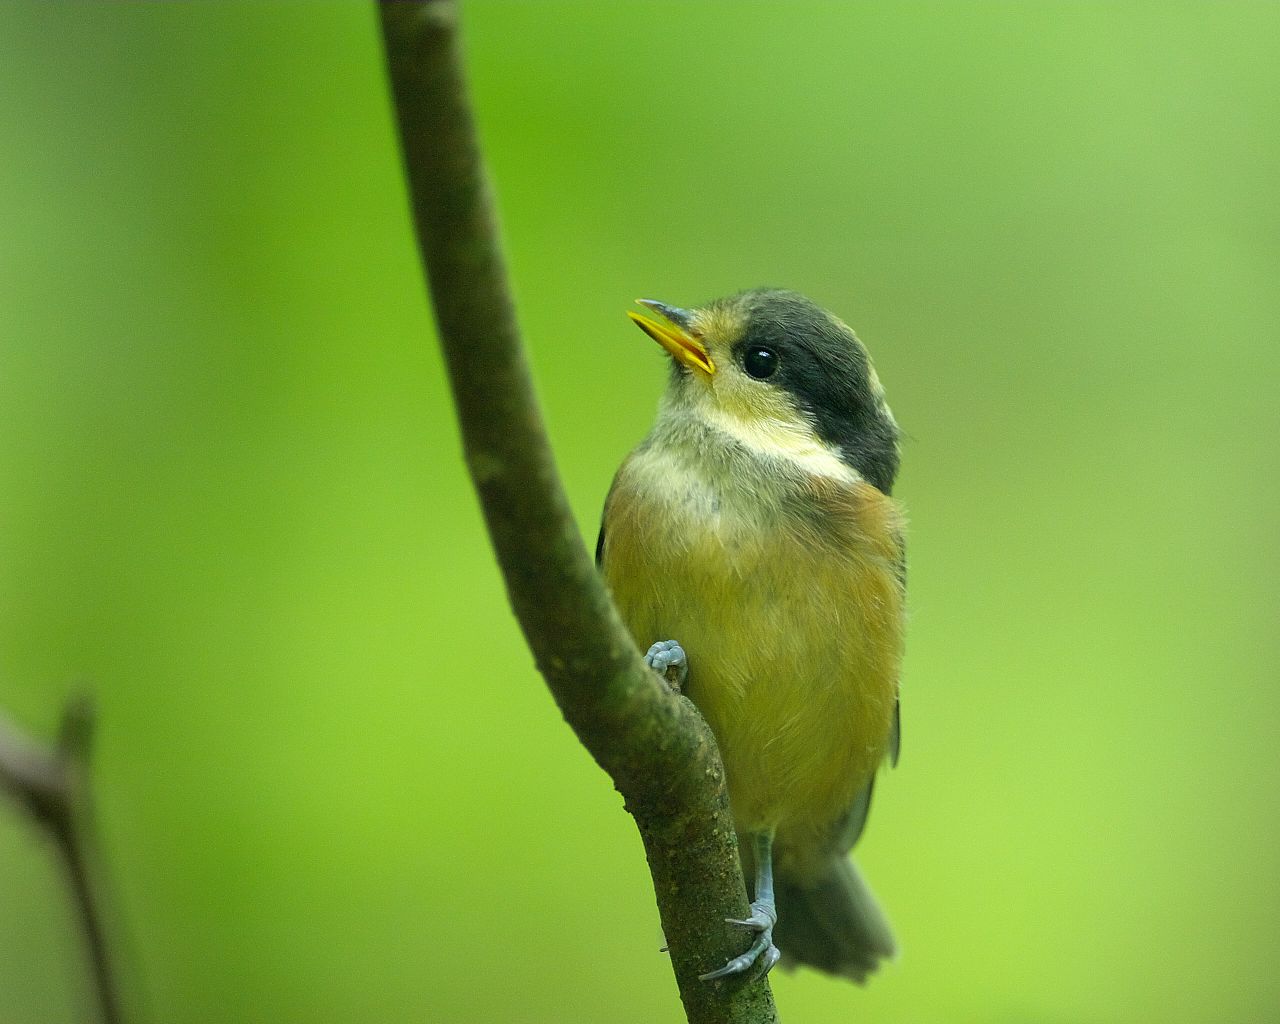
<point x="753" y="548"/>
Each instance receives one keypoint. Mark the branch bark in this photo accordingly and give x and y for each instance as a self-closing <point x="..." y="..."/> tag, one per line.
<point x="47" y="782"/>
<point x="654" y="745"/>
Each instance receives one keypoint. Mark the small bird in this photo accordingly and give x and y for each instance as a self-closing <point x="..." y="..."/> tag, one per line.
<point x="752" y="547"/>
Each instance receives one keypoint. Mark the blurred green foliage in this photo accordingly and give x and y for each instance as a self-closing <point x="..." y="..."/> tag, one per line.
<point x="331" y="786"/>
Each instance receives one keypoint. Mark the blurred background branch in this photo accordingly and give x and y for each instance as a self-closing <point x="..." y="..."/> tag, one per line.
<point x="47" y="781"/>
<point x="654" y="745"/>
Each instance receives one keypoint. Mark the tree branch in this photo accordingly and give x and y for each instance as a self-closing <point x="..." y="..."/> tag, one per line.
<point x="654" y="745"/>
<point x="46" y="781"/>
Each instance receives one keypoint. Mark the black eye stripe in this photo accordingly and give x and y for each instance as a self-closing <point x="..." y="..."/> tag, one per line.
<point x="760" y="362"/>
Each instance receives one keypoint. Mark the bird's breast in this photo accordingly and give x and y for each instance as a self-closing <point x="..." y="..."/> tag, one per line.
<point x="784" y="592"/>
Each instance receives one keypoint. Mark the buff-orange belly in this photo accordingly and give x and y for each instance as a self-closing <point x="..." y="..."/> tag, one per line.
<point x="793" y="633"/>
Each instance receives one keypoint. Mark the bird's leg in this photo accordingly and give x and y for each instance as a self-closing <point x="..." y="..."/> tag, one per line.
<point x="764" y="915"/>
<point x="667" y="658"/>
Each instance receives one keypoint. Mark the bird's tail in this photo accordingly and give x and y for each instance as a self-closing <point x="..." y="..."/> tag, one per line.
<point x="832" y="922"/>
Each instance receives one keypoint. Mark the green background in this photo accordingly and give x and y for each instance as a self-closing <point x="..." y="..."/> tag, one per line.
<point x="331" y="786"/>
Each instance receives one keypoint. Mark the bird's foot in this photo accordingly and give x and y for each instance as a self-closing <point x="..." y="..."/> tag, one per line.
<point x="667" y="658"/>
<point x="762" y="951"/>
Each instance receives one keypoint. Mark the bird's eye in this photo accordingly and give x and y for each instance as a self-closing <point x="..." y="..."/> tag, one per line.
<point x="760" y="362"/>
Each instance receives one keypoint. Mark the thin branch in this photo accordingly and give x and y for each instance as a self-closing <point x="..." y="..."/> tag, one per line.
<point x="46" y="781"/>
<point x="654" y="745"/>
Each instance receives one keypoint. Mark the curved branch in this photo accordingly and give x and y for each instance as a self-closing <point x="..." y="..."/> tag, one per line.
<point x="654" y="745"/>
<point x="46" y="781"/>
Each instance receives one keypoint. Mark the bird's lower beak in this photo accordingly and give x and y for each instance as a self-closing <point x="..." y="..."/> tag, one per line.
<point x="677" y="336"/>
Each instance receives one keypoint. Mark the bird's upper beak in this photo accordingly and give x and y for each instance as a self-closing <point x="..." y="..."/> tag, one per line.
<point x="678" y="336"/>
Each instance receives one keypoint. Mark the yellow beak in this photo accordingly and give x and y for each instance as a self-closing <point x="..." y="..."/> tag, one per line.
<point x="675" y="336"/>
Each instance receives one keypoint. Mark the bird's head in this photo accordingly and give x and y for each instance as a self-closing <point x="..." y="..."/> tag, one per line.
<point x="771" y="366"/>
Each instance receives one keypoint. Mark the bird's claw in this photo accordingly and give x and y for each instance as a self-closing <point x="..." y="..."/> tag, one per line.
<point x="762" y="951"/>
<point x="668" y="659"/>
<point x="762" y="919"/>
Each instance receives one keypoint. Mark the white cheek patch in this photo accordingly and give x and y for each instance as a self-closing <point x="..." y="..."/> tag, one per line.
<point x="772" y="428"/>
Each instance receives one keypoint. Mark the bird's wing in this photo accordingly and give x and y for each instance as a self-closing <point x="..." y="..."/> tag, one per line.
<point x="849" y="828"/>
<point x="895" y="731"/>
<point x="895" y="734"/>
